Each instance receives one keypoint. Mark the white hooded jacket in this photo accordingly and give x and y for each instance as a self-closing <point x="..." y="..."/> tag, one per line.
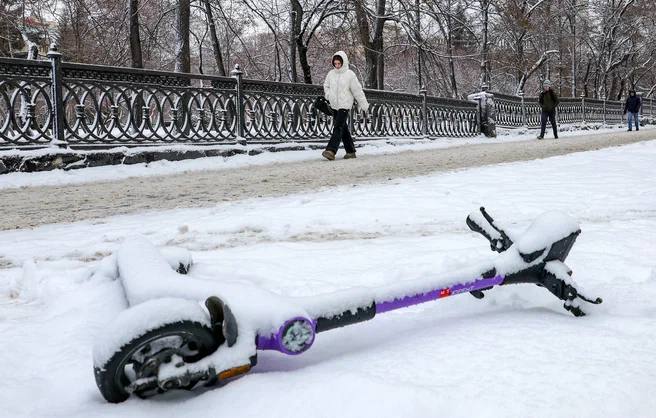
<point x="342" y="86"/>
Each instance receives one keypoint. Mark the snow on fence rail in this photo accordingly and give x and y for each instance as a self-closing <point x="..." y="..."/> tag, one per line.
<point x="52" y="102"/>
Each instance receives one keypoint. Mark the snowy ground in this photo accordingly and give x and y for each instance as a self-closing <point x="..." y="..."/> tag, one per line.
<point x="163" y="167"/>
<point x="516" y="353"/>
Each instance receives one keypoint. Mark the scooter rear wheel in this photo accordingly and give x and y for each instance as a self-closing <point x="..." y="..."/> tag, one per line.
<point x="134" y="368"/>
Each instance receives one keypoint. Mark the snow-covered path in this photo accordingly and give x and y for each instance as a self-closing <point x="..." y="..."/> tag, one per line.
<point x="516" y="353"/>
<point x="32" y="206"/>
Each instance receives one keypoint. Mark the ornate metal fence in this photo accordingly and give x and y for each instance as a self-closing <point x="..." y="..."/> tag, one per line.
<point x="52" y="102"/>
<point x="25" y="102"/>
<point x="518" y="111"/>
<point x="108" y="107"/>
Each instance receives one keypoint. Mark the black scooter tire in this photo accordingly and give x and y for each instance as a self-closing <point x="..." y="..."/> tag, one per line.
<point x="111" y="378"/>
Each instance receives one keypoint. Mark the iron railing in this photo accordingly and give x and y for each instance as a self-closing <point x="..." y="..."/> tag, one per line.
<point x="50" y="102"/>
<point x="519" y="111"/>
<point x="53" y="102"/>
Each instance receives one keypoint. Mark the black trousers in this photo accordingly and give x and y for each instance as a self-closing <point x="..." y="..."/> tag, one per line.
<point x="543" y="122"/>
<point x="341" y="132"/>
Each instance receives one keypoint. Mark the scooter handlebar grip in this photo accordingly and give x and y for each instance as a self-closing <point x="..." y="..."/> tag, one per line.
<point x="480" y="222"/>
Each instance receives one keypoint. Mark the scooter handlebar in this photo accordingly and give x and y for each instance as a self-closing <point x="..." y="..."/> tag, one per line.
<point x="482" y="223"/>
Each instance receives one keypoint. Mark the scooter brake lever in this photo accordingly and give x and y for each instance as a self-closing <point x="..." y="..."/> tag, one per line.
<point x="573" y="293"/>
<point x="594" y="302"/>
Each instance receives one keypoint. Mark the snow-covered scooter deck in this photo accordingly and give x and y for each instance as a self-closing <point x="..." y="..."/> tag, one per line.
<point x="181" y="331"/>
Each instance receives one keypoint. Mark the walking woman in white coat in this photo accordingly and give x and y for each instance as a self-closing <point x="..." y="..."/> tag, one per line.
<point x="341" y="87"/>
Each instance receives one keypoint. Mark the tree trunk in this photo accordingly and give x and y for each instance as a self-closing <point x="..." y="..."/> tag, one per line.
<point x="373" y="46"/>
<point x="299" y="43"/>
<point x="183" y="61"/>
<point x="520" y="61"/>
<point x="572" y="23"/>
<point x="378" y="43"/>
<point x="305" y="66"/>
<point x="216" y="46"/>
<point x="295" y="17"/>
<point x="370" y="57"/>
<point x="371" y="77"/>
<point x="561" y="25"/>
<point x="418" y="40"/>
<point x="135" y="40"/>
<point x="484" y="77"/>
<point x="586" y="77"/>
<point x="452" y="68"/>
<point x="182" y="53"/>
<point x="620" y="91"/>
<point x="614" y="84"/>
<point x="380" y="69"/>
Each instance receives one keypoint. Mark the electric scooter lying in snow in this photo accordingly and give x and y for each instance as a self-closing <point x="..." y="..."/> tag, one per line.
<point x="183" y="331"/>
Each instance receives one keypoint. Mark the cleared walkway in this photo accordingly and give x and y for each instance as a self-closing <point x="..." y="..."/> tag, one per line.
<point x="33" y="206"/>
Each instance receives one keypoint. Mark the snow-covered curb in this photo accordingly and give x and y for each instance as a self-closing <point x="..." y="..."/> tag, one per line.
<point x="227" y="157"/>
<point x="66" y="159"/>
<point x="48" y="159"/>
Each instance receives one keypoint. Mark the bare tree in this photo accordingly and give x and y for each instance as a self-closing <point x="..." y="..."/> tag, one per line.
<point x="371" y="37"/>
<point x="216" y="45"/>
<point x="484" y="78"/>
<point x="11" y="37"/>
<point x="598" y="47"/>
<point x="306" y="20"/>
<point x="450" y="21"/>
<point x="273" y="16"/>
<point x="613" y="42"/>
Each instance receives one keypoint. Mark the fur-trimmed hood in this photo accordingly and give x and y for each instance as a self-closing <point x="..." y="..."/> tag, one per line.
<point x="345" y="61"/>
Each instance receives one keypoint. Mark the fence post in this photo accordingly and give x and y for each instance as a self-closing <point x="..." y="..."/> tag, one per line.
<point x="603" y="97"/>
<point x="57" y="97"/>
<point x="239" y="99"/>
<point x="583" y="107"/>
<point x="424" y="112"/>
<point x="524" y="121"/>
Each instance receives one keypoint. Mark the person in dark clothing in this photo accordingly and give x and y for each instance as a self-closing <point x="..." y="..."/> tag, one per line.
<point x="632" y="106"/>
<point x="549" y="101"/>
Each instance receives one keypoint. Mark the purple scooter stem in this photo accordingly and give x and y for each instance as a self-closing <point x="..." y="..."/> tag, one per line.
<point x="539" y="261"/>
<point x="296" y="335"/>
<point x="454" y="289"/>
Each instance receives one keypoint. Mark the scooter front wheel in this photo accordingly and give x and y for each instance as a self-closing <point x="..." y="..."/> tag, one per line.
<point x="134" y="368"/>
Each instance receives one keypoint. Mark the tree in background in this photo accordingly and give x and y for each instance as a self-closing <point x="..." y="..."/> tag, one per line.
<point x="135" y="39"/>
<point x="370" y="25"/>
<point x="23" y="27"/>
<point x="600" y="48"/>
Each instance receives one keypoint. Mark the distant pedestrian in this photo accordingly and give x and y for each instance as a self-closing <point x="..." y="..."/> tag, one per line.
<point x="341" y="87"/>
<point x="632" y="106"/>
<point x="549" y="101"/>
